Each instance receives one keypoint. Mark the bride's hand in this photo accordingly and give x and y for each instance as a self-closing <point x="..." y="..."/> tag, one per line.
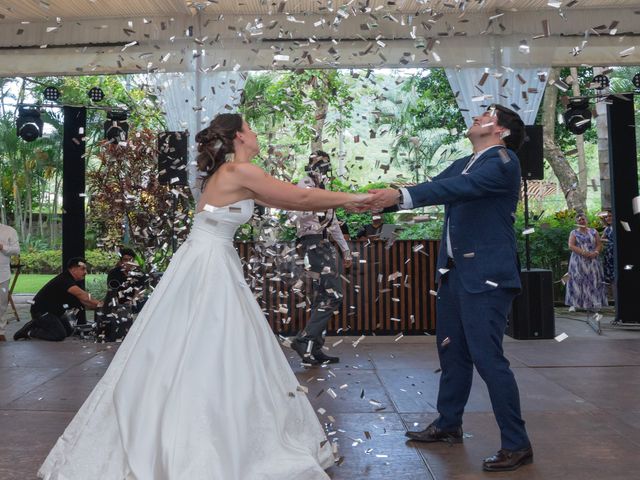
<point x="359" y="202"/>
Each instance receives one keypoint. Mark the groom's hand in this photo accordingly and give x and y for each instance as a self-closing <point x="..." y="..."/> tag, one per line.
<point x="383" y="198"/>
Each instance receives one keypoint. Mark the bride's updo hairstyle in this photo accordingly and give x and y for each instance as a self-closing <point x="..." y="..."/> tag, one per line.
<point x="215" y="142"/>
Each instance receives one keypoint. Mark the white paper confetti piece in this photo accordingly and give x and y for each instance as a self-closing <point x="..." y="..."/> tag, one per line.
<point x="635" y="203"/>
<point x="491" y="284"/>
<point x="528" y="231"/>
<point x="561" y="337"/>
<point x="625" y="225"/>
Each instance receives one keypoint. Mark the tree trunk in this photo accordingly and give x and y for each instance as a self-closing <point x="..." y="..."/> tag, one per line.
<point x="602" y="129"/>
<point x="566" y="176"/>
<point x="322" y="108"/>
<point x="583" y="173"/>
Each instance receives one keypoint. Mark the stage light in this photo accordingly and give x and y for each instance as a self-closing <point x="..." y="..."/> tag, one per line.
<point x="116" y="128"/>
<point x="51" y="93"/>
<point x="95" y="94"/>
<point x="600" y="82"/>
<point x="29" y="124"/>
<point x="577" y="118"/>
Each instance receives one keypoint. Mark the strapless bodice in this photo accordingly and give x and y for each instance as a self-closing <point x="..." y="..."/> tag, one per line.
<point x="222" y="222"/>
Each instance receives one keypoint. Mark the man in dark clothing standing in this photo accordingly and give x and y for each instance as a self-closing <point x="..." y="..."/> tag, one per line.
<point x="314" y="230"/>
<point x="50" y="303"/>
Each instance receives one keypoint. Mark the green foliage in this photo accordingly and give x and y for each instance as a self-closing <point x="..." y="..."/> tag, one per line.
<point x="50" y="261"/>
<point x="436" y="106"/>
<point x="429" y="230"/>
<point x="293" y="99"/>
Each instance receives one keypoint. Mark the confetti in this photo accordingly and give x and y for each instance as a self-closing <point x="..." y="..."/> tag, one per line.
<point x="561" y="337"/>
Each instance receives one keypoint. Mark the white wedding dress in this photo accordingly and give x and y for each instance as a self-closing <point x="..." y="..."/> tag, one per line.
<point x="200" y="388"/>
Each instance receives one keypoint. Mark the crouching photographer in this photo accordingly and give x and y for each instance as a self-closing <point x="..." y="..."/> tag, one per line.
<point x="49" y="317"/>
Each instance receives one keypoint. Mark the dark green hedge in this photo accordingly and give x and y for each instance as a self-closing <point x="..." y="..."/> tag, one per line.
<point x="50" y="261"/>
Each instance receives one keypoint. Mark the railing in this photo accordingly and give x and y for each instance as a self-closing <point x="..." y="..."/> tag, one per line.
<point x="386" y="291"/>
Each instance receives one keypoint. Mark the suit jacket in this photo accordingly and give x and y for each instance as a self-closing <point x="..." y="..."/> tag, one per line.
<point x="480" y="207"/>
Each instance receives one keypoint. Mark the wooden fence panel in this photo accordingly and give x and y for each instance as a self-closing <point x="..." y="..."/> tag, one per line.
<point x="386" y="292"/>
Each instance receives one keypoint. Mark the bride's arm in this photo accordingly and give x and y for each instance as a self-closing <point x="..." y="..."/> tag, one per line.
<point x="275" y="193"/>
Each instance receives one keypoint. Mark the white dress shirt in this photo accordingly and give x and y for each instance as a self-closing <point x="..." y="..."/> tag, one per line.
<point x="406" y="202"/>
<point x="10" y="247"/>
<point x="314" y="223"/>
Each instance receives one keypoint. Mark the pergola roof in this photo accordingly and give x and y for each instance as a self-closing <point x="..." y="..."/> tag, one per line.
<point x="99" y="36"/>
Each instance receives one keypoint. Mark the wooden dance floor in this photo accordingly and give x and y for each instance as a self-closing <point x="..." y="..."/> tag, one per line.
<point x="580" y="398"/>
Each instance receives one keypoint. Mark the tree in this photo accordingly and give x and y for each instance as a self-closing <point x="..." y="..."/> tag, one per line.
<point x="298" y="101"/>
<point x="576" y="199"/>
<point x="435" y="106"/>
<point x="417" y="142"/>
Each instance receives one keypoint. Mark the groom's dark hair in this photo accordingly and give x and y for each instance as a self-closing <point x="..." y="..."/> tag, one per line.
<point x="509" y="119"/>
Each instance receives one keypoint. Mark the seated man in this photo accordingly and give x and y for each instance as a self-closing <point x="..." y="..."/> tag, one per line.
<point x="126" y="283"/>
<point x="50" y="303"/>
<point x="371" y="230"/>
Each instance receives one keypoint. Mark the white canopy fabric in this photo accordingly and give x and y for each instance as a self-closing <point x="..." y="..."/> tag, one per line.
<point x="477" y="88"/>
<point x="191" y="100"/>
<point x="96" y="36"/>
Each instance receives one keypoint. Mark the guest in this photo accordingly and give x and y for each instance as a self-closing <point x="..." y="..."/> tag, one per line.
<point x="9" y="246"/>
<point x="126" y="283"/>
<point x="608" y="242"/>
<point x="314" y="229"/>
<point x="372" y="229"/>
<point x="585" y="289"/>
<point x="61" y="293"/>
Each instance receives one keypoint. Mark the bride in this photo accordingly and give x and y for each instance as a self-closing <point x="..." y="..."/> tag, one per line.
<point x="200" y="388"/>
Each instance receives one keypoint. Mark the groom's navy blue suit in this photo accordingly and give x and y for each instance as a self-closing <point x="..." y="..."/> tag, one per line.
<point x="475" y="294"/>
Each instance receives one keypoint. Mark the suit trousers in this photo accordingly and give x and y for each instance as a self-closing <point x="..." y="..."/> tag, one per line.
<point x="474" y="325"/>
<point x="327" y="288"/>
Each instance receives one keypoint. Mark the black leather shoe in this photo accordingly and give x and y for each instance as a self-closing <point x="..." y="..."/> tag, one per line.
<point x="507" y="460"/>
<point x="301" y="349"/>
<point x="321" y="357"/>
<point x="434" y="434"/>
<point x="24" y="331"/>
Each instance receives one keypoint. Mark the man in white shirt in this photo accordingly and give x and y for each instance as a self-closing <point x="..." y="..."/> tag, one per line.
<point x="313" y="231"/>
<point x="9" y="246"/>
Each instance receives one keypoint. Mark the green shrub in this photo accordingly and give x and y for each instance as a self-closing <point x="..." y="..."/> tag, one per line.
<point x="50" y="261"/>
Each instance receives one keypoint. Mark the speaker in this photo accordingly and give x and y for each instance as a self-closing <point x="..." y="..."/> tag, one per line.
<point x="531" y="154"/>
<point x="532" y="316"/>
<point x="172" y="158"/>
<point x="623" y="168"/>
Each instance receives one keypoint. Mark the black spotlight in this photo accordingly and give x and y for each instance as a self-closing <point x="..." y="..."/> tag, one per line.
<point x="636" y="81"/>
<point x="51" y="93"/>
<point x="600" y="82"/>
<point x="116" y="128"/>
<point x="95" y="94"/>
<point x="29" y="124"/>
<point x="577" y="118"/>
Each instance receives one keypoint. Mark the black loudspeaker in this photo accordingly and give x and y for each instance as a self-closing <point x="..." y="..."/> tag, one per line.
<point x="532" y="316"/>
<point x="623" y="168"/>
<point x="531" y="154"/>
<point x="172" y="158"/>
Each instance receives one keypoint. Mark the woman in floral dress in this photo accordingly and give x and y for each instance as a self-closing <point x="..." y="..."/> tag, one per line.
<point x="585" y="287"/>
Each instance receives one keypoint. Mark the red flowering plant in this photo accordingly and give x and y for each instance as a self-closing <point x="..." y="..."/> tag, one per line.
<point x="129" y="206"/>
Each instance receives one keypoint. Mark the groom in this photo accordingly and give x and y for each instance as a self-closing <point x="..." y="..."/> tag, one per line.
<point x="478" y="278"/>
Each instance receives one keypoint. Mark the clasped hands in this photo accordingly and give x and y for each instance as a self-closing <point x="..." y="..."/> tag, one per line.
<point x="374" y="200"/>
